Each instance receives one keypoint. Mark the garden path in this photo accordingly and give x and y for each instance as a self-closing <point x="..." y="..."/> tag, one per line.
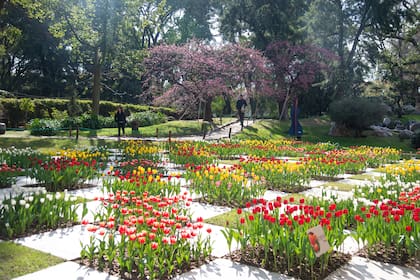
<point x="66" y="243"/>
<point x="221" y="132"/>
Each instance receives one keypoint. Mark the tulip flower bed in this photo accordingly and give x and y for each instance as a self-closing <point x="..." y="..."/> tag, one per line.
<point x="223" y="186"/>
<point x="187" y="153"/>
<point x="98" y="154"/>
<point x="61" y="173"/>
<point x="278" y="174"/>
<point x="141" y="150"/>
<point x="145" y="231"/>
<point x="125" y="166"/>
<point x="328" y="165"/>
<point x="140" y="179"/>
<point x="228" y="150"/>
<point x="38" y="211"/>
<point x="8" y="175"/>
<point x="274" y="235"/>
<point x="376" y="156"/>
<point x="141" y="236"/>
<point x="275" y="148"/>
<point x="19" y="157"/>
<point x="408" y="171"/>
<point x="390" y="229"/>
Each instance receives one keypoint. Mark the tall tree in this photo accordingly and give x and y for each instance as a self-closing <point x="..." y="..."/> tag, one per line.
<point x="295" y="68"/>
<point x="30" y="61"/>
<point x="191" y="19"/>
<point x="89" y="29"/>
<point x="399" y="64"/>
<point x="345" y="27"/>
<point x="261" y="21"/>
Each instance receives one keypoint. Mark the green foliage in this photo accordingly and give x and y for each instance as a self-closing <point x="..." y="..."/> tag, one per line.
<point x="217" y="105"/>
<point x="46" y="127"/>
<point x="73" y="107"/>
<point x="95" y="122"/>
<point x="49" y="108"/>
<point x="415" y="140"/>
<point x="356" y="113"/>
<point x="27" y="106"/>
<point x="147" y="118"/>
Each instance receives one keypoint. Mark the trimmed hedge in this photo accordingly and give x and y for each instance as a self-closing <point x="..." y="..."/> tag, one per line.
<point x="44" y="108"/>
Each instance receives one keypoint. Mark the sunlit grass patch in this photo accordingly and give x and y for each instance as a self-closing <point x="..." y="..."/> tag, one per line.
<point x="17" y="260"/>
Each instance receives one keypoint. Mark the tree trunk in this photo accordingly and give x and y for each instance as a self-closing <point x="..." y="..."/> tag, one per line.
<point x="253" y="104"/>
<point x="227" y="109"/>
<point x="341" y="88"/>
<point x="207" y="110"/>
<point x="96" y="91"/>
<point x="283" y="108"/>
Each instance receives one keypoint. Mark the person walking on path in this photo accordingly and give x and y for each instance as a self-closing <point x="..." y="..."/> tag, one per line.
<point x="240" y="107"/>
<point x="121" y="120"/>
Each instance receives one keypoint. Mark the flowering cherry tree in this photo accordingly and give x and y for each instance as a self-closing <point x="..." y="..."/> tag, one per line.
<point x="295" y="68"/>
<point x="248" y="70"/>
<point x="194" y="73"/>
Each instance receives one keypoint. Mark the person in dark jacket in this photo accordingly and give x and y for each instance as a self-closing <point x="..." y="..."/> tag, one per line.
<point x="240" y="107"/>
<point x="121" y="120"/>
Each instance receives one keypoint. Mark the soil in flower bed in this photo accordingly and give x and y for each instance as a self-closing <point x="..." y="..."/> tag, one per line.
<point x="76" y="187"/>
<point x="326" y="178"/>
<point x="222" y="203"/>
<point x="389" y="254"/>
<point x="301" y="271"/>
<point x="116" y="271"/>
<point x="288" y="189"/>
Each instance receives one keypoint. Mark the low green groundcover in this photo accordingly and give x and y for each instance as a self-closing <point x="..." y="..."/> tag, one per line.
<point x="17" y="260"/>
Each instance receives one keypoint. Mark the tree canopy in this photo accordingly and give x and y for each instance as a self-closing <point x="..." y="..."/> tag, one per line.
<point x="104" y="49"/>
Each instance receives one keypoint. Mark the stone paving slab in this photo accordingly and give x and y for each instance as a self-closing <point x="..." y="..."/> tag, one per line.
<point x="88" y="193"/>
<point x="68" y="271"/>
<point x="316" y="183"/>
<point x="361" y="268"/>
<point x="219" y="245"/>
<point x="272" y="195"/>
<point x="356" y="182"/>
<point x="206" y="210"/>
<point x="93" y="207"/>
<point x="349" y="246"/>
<point x="329" y="193"/>
<point x="226" y="269"/>
<point x="63" y="243"/>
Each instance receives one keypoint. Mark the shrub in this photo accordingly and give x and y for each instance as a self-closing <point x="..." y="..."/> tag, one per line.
<point x="95" y="122"/>
<point x="415" y="140"/>
<point x="356" y="113"/>
<point x="15" y="114"/>
<point x="147" y="118"/>
<point x="46" y="127"/>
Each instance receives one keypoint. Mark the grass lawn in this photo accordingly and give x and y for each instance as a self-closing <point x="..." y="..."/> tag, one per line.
<point x="316" y="130"/>
<point x="17" y="260"/>
<point x="339" y="186"/>
<point x="22" y="139"/>
<point x="364" y="177"/>
<point x="229" y="161"/>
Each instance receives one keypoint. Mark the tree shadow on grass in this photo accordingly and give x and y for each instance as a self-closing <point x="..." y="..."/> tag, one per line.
<point x="276" y="129"/>
<point x="92" y="133"/>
